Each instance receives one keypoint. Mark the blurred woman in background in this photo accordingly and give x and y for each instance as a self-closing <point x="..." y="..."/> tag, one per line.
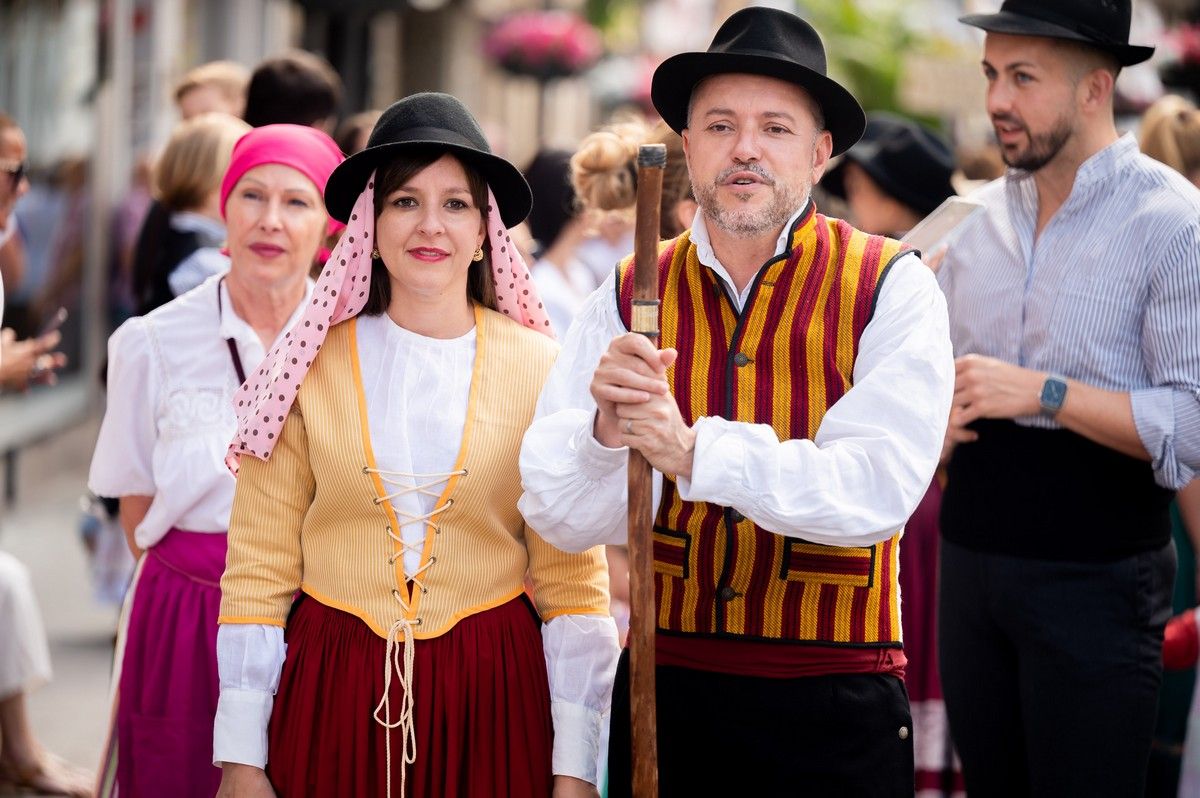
<point x="604" y="174"/>
<point x="1170" y="133"/>
<point x="557" y="228"/>
<point x="179" y="244"/>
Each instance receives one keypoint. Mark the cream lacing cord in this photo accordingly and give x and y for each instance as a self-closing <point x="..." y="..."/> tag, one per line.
<point x="403" y="628"/>
<point x="391" y="662"/>
<point x="405" y="488"/>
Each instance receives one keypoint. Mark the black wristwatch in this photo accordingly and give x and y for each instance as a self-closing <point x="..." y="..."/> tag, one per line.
<point x="1054" y="393"/>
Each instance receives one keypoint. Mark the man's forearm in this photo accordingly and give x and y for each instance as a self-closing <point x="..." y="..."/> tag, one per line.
<point x="1105" y="417"/>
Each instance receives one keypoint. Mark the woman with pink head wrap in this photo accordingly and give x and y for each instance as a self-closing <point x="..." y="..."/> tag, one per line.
<point x="376" y="510"/>
<point x="171" y="381"/>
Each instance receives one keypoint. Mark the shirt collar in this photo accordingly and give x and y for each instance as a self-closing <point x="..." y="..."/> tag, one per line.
<point x="192" y="222"/>
<point x="1101" y="165"/>
<point x="704" y="250"/>
<point x="1109" y="161"/>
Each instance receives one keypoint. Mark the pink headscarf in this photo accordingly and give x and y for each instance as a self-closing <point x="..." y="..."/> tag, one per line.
<point x="263" y="401"/>
<point x="305" y="149"/>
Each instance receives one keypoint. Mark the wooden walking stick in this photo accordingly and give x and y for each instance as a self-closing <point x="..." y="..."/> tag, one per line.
<point x="652" y="158"/>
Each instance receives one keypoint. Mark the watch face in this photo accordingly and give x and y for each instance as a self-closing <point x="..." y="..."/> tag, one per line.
<point x="1054" y="393"/>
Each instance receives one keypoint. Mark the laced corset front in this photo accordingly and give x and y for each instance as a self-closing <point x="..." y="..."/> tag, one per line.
<point x="417" y="391"/>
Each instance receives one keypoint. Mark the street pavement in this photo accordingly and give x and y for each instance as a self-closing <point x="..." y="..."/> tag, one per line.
<point x="41" y="528"/>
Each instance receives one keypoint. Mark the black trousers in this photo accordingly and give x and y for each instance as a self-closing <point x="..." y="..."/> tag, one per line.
<point x="723" y="735"/>
<point x="1051" y="670"/>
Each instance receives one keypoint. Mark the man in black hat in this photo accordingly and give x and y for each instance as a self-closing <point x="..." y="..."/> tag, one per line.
<point x="1073" y="308"/>
<point x="794" y="418"/>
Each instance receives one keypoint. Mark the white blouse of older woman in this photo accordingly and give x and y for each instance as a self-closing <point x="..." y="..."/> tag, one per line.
<point x="275" y="222"/>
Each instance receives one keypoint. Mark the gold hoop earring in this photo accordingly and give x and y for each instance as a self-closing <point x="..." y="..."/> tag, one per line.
<point x="375" y="254"/>
<point x="478" y="256"/>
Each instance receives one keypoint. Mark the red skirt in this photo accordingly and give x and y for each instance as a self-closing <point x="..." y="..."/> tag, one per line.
<point x="482" y="708"/>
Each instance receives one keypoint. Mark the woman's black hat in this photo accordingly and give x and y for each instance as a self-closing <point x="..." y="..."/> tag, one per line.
<point x="429" y="120"/>
<point x="1104" y="24"/>
<point x="760" y="41"/>
<point x="907" y="162"/>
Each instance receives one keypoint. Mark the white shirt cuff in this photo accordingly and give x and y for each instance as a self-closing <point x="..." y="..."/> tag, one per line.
<point x="240" y="728"/>
<point x="597" y="461"/>
<point x="718" y="471"/>
<point x="576" y="740"/>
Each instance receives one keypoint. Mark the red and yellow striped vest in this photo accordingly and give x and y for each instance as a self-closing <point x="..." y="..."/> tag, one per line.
<point x="783" y="361"/>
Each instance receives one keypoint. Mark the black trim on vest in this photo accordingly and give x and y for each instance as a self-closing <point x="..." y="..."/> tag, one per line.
<point x="883" y="276"/>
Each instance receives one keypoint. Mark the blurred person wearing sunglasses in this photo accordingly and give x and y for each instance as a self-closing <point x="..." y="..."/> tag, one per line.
<point x="32" y="360"/>
<point x="24" y="658"/>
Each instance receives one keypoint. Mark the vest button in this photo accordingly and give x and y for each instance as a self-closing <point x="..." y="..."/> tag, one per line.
<point x="727" y="594"/>
<point x="741" y="359"/>
<point x="736" y="516"/>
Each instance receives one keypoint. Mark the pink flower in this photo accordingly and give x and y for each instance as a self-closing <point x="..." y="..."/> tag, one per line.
<point x="544" y="44"/>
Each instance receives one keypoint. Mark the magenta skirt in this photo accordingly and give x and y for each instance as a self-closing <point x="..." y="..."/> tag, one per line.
<point x="168" y="688"/>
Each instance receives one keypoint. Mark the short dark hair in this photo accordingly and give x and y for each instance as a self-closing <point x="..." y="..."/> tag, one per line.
<point x="480" y="286"/>
<point x="297" y="87"/>
<point x="1086" y="58"/>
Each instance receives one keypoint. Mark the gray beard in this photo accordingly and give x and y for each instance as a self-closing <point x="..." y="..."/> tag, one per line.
<point x="747" y="223"/>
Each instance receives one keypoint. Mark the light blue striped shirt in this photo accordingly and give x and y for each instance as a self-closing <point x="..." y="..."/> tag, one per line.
<point x="1109" y="294"/>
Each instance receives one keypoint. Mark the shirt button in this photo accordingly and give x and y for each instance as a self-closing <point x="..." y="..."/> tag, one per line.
<point x="736" y="516"/>
<point x="741" y="359"/>
<point x="903" y="732"/>
<point x="727" y="594"/>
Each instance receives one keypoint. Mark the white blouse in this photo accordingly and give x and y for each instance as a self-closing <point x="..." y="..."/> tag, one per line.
<point x="416" y="391"/>
<point x="169" y="418"/>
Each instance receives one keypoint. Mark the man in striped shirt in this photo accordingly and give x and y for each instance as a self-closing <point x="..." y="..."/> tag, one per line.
<point x="1075" y="316"/>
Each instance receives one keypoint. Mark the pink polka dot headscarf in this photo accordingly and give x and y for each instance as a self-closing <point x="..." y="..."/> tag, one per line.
<point x="264" y="400"/>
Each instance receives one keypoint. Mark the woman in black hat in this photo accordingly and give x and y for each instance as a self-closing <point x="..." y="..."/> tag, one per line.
<point x="897" y="174"/>
<point x="380" y="492"/>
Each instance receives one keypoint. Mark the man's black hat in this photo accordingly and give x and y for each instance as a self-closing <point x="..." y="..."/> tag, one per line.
<point x="1104" y="24"/>
<point x="760" y="41"/>
<point x="429" y="121"/>
<point x="908" y="163"/>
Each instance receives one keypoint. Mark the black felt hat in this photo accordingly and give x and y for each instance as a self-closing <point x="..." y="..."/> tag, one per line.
<point x="760" y="41"/>
<point x="1104" y="24"/>
<point x="906" y="161"/>
<point x="436" y="121"/>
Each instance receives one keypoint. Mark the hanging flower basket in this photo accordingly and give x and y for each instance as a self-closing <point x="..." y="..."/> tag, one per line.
<point x="544" y="44"/>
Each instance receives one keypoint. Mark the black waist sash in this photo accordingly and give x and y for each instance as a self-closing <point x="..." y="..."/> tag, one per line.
<point x="1051" y="495"/>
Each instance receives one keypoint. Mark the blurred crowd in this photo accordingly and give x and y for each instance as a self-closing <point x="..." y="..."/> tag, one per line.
<point x="169" y="236"/>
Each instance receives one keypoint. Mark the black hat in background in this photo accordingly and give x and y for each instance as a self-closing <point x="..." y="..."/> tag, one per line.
<point x="908" y="163"/>
<point x="429" y="121"/>
<point x="1104" y="24"/>
<point x="760" y="41"/>
<point x="549" y="176"/>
